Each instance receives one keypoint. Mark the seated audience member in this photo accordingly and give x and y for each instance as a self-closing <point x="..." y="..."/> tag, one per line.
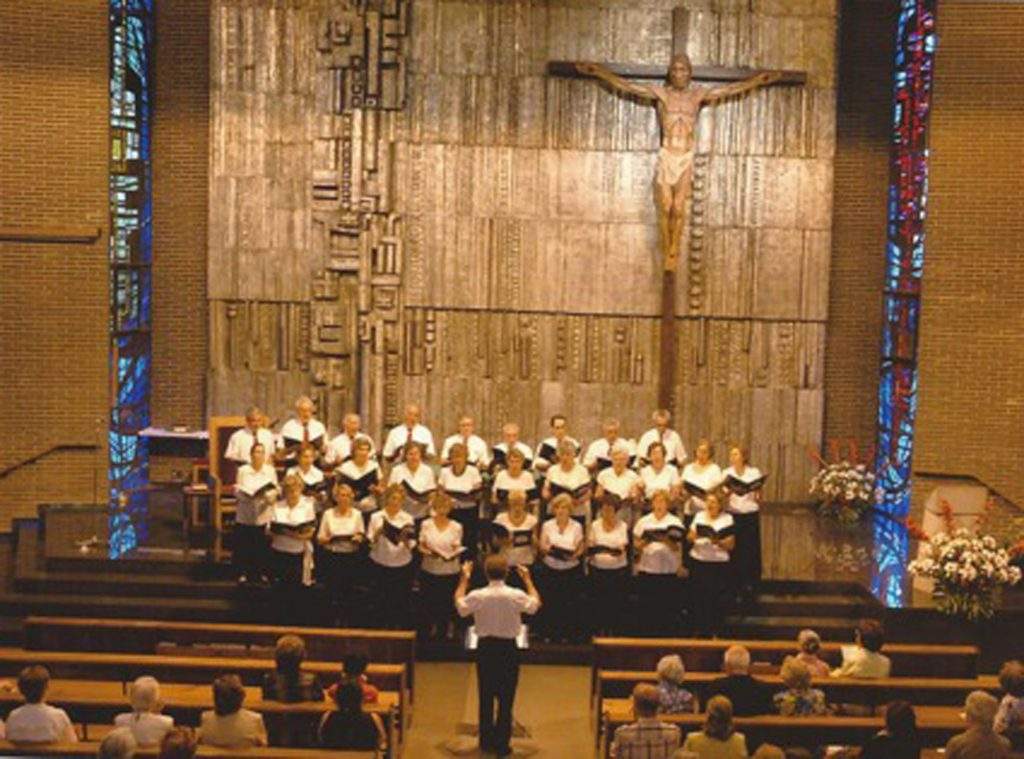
<point x="799" y="699"/>
<point x="718" y="739"/>
<point x="145" y="721"/>
<point x="118" y="744"/>
<point x="979" y="740"/>
<point x="809" y="643"/>
<point x="37" y="721"/>
<point x="899" y="739"/>
<point x="747" y="696"/>
<point x="228" y="725"/>
<point x="864" y="659"/>
<point x="353" y="669"/>
<point x="178" y="743"/>
<point x="1010" y="717"/>
<point x="648" y="737"/>
<point x="349" y="727"/>
<point x="288" y="683"/>
<point x="768" y="751"/>
<point x="674" y="698"/>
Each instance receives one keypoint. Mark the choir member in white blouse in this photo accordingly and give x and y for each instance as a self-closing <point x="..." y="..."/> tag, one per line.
<point x="547" y="451"/>
<point x="659" y="538"/>
<point x="392" y="537"/>
<point x="256" y="490"/>
<point x="746" y="513"/>
<point x="510" y="441"/>
<point x="255" y="431"/>
<point x="622" y="482"/>
<point x="515" y="478"/>
<point x="464" y="483"/>
<point x="519" y="549"/>
<point x="409" y="430"/>
<point x="702" y="472"/>
<point x="712" y="537"/>
<point x="440" y="544"/>
<point x="342" y="446"/>
<point x="341" y="535"/>
<point x="562" y="547"/>
<point x="675" y="452"/>
<point x="599" y="453"/>
<point x="313" y="481"/>
<point x="418" y="481"/>
<point x="478" y="452"/>
<point x="608" y="543"/>
<point x="362" y="474"/>
<point x="570" y="477"/>
<point x="303" y="428"/>
<point x="660" y="475"/>
<point x="292" y="527"/>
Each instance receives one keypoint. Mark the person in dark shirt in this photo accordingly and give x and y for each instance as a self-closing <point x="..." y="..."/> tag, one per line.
<point x="349" y="728"/>
<point x="900" y="739"/>
<point x="749" y="697"/>
<point x="289" y="684"/>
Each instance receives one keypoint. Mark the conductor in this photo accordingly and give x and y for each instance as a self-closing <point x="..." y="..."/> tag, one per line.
<point x="497" y="611"/>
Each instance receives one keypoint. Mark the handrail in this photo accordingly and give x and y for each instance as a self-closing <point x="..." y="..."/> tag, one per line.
<point x="43" y="454"/>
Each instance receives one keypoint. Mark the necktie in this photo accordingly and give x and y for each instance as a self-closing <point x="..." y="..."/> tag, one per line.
<point x="305" y="432"/>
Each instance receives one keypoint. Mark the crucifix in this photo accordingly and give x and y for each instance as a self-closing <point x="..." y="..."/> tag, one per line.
<point x="678" y="102"/>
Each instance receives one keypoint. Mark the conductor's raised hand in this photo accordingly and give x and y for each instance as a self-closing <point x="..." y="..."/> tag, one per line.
<point x="524" y="572"/>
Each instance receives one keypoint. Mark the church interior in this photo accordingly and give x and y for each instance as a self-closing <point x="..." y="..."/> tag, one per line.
<point x="318" y="317"/>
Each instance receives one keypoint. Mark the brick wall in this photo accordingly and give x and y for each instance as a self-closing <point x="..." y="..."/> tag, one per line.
<point x="180" y="156"/>
<point x="53" y="297"/>
<point x="971" y="413"/>
<point x="866" y="40"/>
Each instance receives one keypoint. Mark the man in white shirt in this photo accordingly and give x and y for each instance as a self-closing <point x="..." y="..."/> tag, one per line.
<point x="36" y="721"/>
<point x="497" y="613"/>
<point x="302" y="429"/>
<point x="675" y="453"/>
<point x="409" y="429"/>
<point x="599" y="453"/>
<point x="340" y="449"/>
<point x="242" y="440"/>
<point x="479" y="455"/>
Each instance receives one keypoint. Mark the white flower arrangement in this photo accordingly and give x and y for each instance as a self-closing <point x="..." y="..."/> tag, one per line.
<point x="847" y="490"/>
<point x="968" y="571"/>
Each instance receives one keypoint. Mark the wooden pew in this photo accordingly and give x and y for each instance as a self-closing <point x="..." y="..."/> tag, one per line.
<point x="90" y="748"/>
<point x="937" y="724"/>
<point x="95" y="702"/>
<point x="144" y="637"/>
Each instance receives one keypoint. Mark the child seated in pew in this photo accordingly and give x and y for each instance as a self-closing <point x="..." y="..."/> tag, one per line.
<point x="353" y="668"/>
<point x="229" y="725"/>
<point x="145" y="721"/>
<point x="864" y="658"/>
<point x="799" y="699"/>
<point x="37" y="721"/>
<point x="349" y="728"/>
<point x="119" y="744"/>
<point x="674" y="698"/>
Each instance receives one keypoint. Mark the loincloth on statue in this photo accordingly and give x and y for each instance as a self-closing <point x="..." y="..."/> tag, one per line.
<point x="672" y="164"/>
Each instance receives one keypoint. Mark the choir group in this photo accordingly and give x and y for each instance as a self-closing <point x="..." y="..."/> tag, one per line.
<point x="607" y="525"/>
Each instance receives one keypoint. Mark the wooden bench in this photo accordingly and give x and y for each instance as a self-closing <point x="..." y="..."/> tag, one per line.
<point x="91" y="702"/>
<point x="90" y="748"/>
<point x="937" y="724"/>
<point x="145" y="636"/>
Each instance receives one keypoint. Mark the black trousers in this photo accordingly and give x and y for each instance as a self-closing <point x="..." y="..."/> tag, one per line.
<point x="287" y="568"/>
<point x="562" y="590"/>
<point x="469" y="518"/>
<point x="497" y="675"/>
<point x="711" y="583"/>
<point x="609" y="592"/>
<point x="343" y="575"/>
<point x="660" y="599"/>
<point x="392" y="590"/>
<point x="249" y="550"/>
<point x="746" y="559"/>
<point x="436" y="600"/>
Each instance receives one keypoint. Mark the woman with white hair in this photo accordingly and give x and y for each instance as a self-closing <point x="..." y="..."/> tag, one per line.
<point x="979" y="740"/>
<point x="799" y="699"/>
<point x="118" y="744"/>
<point x="621" y="482"/>
<point x="674" y="698"/>
<point x="145" y="722"/>
<point x="809" y="643"/>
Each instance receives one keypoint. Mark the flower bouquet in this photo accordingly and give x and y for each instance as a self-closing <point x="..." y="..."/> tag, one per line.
<point x="845" y="486"/>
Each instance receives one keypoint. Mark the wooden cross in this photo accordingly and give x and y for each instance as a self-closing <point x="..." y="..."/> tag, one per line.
<point x="680" y="28"/>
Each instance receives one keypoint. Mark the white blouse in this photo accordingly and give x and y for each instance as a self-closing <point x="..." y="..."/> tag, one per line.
<point x="384" y="552"/>
<point x="743" y="504"/>
<point x="334" y="525"/>
<point x="399" y="436"/>
<point x="422" y="482"/>
<point x="666" y="479"/>
<point x="445" y="541"/>
<point x="249" y="481"/>
<point x="618" y="484"/>
<point x="674" y="449"/>
<point x="703" y="549"/>
<point x="301" y="512"/>
<point x="504" y="483"/>
<point x="547" y="452"/>
<point x="459" y="486"/>
<point x="518" y="555"/>
<point x="599" y="452"/>
<point x="478" y="454"/>
<point x="657" y="557"/>
<point x="617" y="538"/>
<point x="575" y="478"/>
<point x="500" y="452"/>
<point x="707" y="477"/>
<point x="312" y="476"/>
<point x="569" y="538"/>
<point x="339" y="450"/>
<point x="350" y="472"/>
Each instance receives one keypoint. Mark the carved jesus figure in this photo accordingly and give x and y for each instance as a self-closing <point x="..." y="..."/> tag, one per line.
<point x="678" y="102"/>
